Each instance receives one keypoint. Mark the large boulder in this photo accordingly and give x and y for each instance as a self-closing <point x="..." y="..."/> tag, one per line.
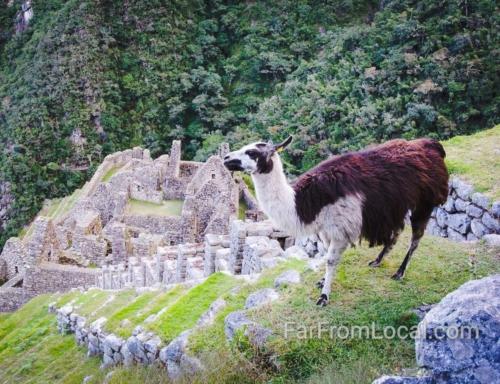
<point x="458" y="339"/>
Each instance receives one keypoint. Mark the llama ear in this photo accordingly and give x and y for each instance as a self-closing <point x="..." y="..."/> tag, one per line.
<point x="281" y="146"/>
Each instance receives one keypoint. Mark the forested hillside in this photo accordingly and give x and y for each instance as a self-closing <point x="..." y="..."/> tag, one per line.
<point x="88" y="77"/>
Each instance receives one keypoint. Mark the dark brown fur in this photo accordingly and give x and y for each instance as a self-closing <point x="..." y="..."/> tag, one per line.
<point x="394" y="178"/>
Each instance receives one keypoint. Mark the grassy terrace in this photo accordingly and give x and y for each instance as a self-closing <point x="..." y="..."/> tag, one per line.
<point x="145" y="208"/>
<point x="110" y="173"/>
<point x="187" y="310"/>
<point x="476" y="158"/>
<point x="54" y="209"/>
<point x="31" y="352"/>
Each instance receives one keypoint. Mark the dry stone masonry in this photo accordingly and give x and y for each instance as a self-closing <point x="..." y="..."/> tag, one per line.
<point x="466" y="216"/>
<point x="104" y="237"/>
<point x="142" y="347"/>
<point x="101" y="229"/>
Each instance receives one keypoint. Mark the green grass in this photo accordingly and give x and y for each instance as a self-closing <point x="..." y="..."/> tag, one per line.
<point x="110" y="173"/>
<point x="140" y="309"/>
<point x="242" y="208"/>
<point x="145" y="208"/>
<point x="476" y="158"/>
<point x="209" y="338"/>
<point x="360" y="296"/>
<point x="32" y="352"/>
<point x="185" y="312"/>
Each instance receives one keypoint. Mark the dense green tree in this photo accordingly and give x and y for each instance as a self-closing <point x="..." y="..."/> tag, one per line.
<point x="89" y="77"/>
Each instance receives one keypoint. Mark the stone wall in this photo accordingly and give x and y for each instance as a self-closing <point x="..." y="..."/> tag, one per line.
<point x="12" y="298"/>
<point x="244" y="249"/>
<point x="466" y="216"/>
<point x="142" y="348"/>
<point x="49" y="277"/>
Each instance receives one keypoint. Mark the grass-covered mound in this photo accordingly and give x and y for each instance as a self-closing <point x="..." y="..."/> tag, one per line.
<point x="32" y="352"/>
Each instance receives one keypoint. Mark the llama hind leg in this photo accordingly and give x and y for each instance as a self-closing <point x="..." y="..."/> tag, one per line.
<point x="387" y="248"/>
<point x="326" y="243"/>
<point x="334" y="255"/>
<point x="419" y="221"/>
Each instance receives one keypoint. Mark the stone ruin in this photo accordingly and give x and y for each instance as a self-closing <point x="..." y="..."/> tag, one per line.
<point x="119" y="246"/>
<point x="102" y="240"/>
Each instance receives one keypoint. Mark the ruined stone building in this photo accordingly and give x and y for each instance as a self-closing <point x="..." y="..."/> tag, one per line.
<point x="133" y="210"/>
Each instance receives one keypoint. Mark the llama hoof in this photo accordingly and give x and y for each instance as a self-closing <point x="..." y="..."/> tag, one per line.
<point x="323" y="300"/>
<point x="320" y="283"/>
<point x="374" y="263"/>
<point x="397" y="276"/>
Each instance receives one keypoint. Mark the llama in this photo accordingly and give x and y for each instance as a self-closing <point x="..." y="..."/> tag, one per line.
<point x="358" y="195"/>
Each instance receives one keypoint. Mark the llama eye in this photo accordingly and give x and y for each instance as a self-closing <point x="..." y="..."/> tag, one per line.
<point x="252" y="153"/>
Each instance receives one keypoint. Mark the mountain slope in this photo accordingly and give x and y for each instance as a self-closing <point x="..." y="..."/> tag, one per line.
<point x="88" y="78"/>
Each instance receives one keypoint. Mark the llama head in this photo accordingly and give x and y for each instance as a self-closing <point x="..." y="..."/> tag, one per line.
<point x="255" y="157"/>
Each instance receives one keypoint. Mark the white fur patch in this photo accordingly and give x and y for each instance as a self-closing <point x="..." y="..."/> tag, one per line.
<point x="339" y="222"/>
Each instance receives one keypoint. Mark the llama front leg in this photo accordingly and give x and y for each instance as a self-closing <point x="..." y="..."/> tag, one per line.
<point x="334" y="255"/>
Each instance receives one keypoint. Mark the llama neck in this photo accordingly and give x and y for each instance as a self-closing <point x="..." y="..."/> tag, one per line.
<point x="276" y="197"/>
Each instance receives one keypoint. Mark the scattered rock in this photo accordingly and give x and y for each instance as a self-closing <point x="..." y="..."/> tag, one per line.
<point x="208" y="317"/>
<point x="87" y="379"/>
<point x="296" y="252"/>
<point x="234" y="322"/>
<point x="492" y="239"/>
<point x="287" y="278"/>
<point x="262" y="297"/>
<point x="403" y="380"/>
<point x="257" y="335"/>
